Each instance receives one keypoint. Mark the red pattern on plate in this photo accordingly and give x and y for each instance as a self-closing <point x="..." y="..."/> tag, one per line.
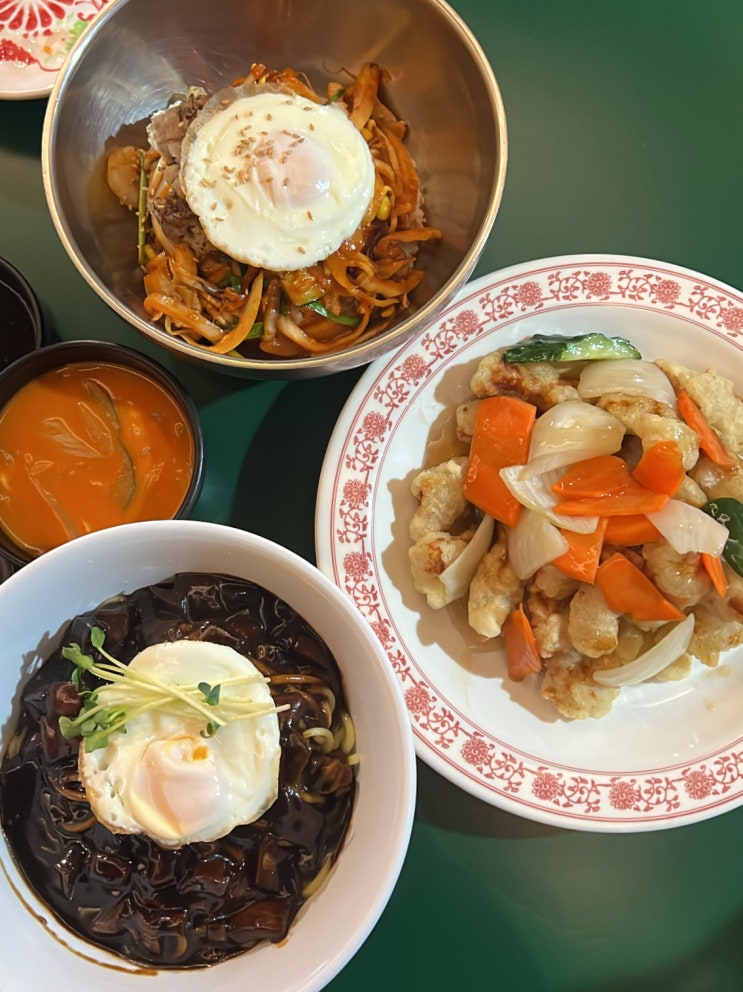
<point x="11" y="52"/>
<point x="655" y="798"/>
<point x="36" y="35"/>
<point x="29" y="17"/>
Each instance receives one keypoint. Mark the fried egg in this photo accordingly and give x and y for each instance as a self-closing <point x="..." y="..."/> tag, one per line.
<point x="276" y="180"/>
<point x="162" y="777"/>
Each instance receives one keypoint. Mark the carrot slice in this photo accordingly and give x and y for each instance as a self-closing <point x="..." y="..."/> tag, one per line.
<point x="581" y="560"/>
<point x="709" y="441"/>
<point x="602" y="475"/>
<point x="522" y="654"/>
<point x="502" y="435"/>
<point x="716" y="572"/>
<point x="606" y="487"/>
<point x="631" y="501"/>
<point x="628" y="590"/>
<point x="661" y="468"/>
<point x="631" y="530"/>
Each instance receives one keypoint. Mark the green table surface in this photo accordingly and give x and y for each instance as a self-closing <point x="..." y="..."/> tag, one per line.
<point x="625" y="136"/>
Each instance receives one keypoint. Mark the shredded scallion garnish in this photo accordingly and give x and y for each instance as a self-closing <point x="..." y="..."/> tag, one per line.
<point x="130" y="691"/>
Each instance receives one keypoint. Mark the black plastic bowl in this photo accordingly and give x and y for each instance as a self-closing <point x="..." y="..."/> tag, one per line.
<point x="36" y="363"/>
<point x="21" y="320"/>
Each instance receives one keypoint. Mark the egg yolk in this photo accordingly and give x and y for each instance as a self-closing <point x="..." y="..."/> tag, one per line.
<point x="292" y="174"/>
<point x="176" y="787"/>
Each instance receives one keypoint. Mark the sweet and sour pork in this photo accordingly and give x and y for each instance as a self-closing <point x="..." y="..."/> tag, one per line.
<point x="576" y="632"/>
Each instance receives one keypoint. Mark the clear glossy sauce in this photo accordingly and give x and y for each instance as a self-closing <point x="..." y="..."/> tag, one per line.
<point x="88" y="446"/>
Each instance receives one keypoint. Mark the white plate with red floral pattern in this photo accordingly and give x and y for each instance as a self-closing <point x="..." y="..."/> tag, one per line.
<point x="668" y="753"/>
<point x="35" y="38"/>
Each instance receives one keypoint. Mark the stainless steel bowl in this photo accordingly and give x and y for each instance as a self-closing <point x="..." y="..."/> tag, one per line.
<point x="132" y="60"/>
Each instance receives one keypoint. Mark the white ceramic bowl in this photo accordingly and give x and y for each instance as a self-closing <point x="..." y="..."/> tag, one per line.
<point x="37" y="601"/>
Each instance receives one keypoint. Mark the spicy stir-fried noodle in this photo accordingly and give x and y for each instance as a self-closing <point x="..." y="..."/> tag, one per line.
<point x="207" y="298"/>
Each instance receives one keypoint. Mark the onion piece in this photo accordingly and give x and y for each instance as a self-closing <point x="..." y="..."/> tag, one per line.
<point x="687" y="528"/>
<point x="532" y="543"/>
<point x="631" y="376"/>
<point x="456" y="577"/>
<point x="653" y="661"/>
<point x="570" y="432"/>
<point x="535" y="493"/>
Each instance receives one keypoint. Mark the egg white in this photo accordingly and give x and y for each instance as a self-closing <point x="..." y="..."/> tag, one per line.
<point x="163" y="778"/>
<point x="276" y="180"/>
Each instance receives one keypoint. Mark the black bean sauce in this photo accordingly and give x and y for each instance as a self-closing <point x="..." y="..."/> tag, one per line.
<point x="204" y="902"/>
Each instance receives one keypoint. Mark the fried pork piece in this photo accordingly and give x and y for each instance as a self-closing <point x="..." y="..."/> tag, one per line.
<point x="715" y="397"/>
<point x="690" y="492"/>
<point x="677" y="670"/>
<point x="683" y="579"/>
<point x="652" y="421"/>
<point x="540" y="383"/>
<point x="733" y="598"/>
<point x="716" y="481"/>
<point x="465" y="418"/>
<point x="494" y="592"/>
<point x="713" y="634"/>
<point x="719" y="622"/>
<point x="593" y="628"/>
<point x="549" y="621"/>
<point x="553" y="582"/>
<point x="429" y="556"/>
<point x="569" y="685"/>
<point x="546" y="603"/>
<point x="439" y="494"/>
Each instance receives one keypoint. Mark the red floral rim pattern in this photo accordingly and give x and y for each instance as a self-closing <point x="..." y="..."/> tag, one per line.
<point x="521" y="782"/>
<point x="35" y="37"/>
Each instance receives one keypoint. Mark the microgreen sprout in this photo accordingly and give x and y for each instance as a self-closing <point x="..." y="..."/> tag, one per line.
<point x="129" y="692"/>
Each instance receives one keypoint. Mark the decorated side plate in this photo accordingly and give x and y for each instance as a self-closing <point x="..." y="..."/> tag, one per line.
<point x="35" y="37"/>
<point x="668" y="753"/>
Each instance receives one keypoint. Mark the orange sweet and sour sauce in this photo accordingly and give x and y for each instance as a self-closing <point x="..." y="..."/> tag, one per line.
<point x="88" y="446"/>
